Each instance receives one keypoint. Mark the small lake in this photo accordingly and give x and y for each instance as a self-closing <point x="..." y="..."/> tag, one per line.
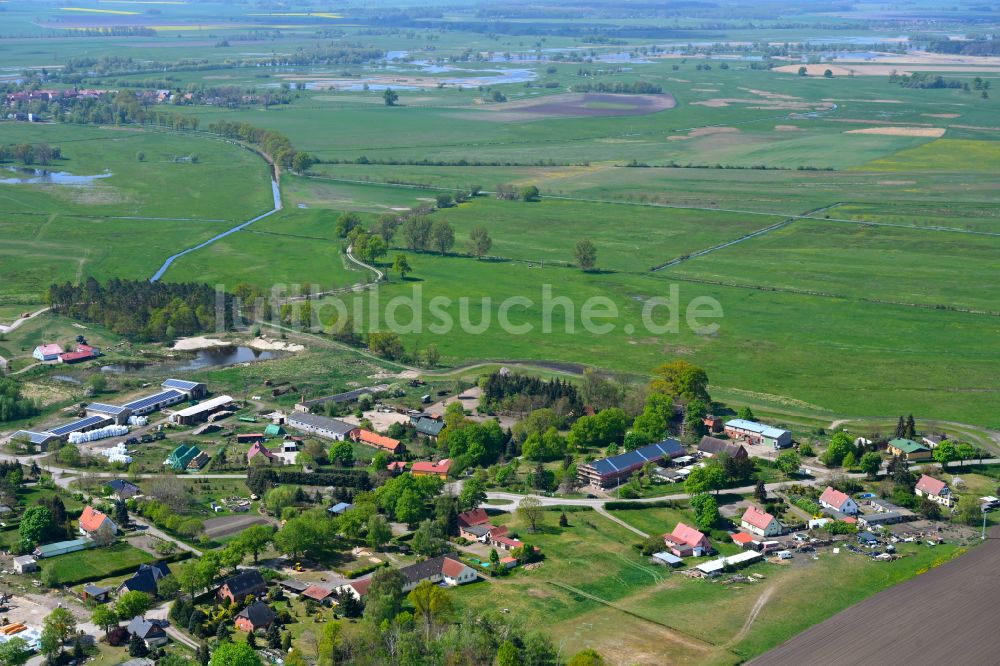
<point x="220" y="357"/>
<point x="213" y="357"/>
<point x="29" y="176"/>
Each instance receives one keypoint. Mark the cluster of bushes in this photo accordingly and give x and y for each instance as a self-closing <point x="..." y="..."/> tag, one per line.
<point x="30" y="153"/>
<point x="620" y="88"/>
<point x="361" y="571"/>
<point x="807" y="505"/>
<point x="166" y="518"/>
<point x="13" y="404"/>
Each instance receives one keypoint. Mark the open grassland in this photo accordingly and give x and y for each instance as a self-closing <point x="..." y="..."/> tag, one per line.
<point x="546" y="231"/>
<point x="677" y="619"/>
<point x="899" y="265"/>
<point x="931" y="361"/>
<point x="282" y="252"/>
<point x="124" y="225"/>
<point x="96" y="562"/>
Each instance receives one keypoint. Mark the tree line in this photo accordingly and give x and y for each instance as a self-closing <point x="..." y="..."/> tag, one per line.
<point x="620" y="88"/>
<point x="30" y="153"/>
<point x="274" y="144"/>
<point x="141" y="310"/>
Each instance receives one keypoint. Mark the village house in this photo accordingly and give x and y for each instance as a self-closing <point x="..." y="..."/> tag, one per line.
<point x="356" y="588"/>
<point x="758" y="433"/>
<point x="255" y="617"/>
<point x="439" y="469"/>
<point x="908" y="449"/>
<point x="258" y="449"/>
<point x="393" y="446"/>
<point x="760" y="523"/>
<point x="837" y="501"/>
<point x="150" y="631"/>
<point x="123" y="489"/>
<point x="932" y="441"/>
<point x="247" y="583"/>
<point x="46" y="353"/>
<point x="686" y="541"/>
<point x="713" y="446"/>
<point x="396" y="467"/>
<point x="445" y="569"/>
<point x="934" y="490"/>
<point x="97" y="526"/>
<point x="428" y="426"/>
<point x="144" y="579"/>
<point x="610" y="472"/>
<point x="712" y="422"/>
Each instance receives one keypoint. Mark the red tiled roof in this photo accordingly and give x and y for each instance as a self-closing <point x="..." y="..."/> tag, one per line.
<point x="757" y="518"/>
<point x="930" y="485"/>
<point x="833" y="497"/>
<point x="377" y="440"/>
<point x="361" y="586"/>
<point x="76" y="356"/>
<point x="473" y="517"/>
<point x="91" y="519"/>
<point x="742" y="538"/>
<point x="398" y="464"/>
<point x="316" y="592"/>
<point x="498" y="531"/>
<point x="452" y="568"/>
<point x="507" y="541"/>
<point x="850" y="519"/>
<point x="440" y="467"/>
<point x="687" y="534"/>
<point x="507" y="560"/>
<point x="259" y="448"/>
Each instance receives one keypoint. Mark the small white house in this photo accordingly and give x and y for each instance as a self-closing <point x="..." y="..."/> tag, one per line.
<point x="934" y="490"/>
<point x="760" y="523"/>
<point x="47" y="352"/>
<point x="838" y="501"/>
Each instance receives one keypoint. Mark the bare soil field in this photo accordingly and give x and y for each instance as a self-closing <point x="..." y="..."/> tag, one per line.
<point x="891" y="626"/>
<point x="226" y="525"/>
<point x="934" y="132"/>
<point x="582" y="105"/>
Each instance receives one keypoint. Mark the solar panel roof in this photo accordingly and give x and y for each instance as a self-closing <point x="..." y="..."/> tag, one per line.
<point x="162" y="396"/>
<point x="79" y="424"/>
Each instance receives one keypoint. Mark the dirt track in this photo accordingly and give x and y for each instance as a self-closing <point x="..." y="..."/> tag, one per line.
<point x="946" y="615"/>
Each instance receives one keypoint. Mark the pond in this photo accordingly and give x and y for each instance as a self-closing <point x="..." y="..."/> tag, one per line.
<point x="30" y="176"/>
<point x="214" y="357"/>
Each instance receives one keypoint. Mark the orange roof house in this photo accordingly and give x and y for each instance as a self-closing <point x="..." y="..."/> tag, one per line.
<point x="439" y="469"/>
<point x="378" y="441"/>
<point x="93" y="522"/>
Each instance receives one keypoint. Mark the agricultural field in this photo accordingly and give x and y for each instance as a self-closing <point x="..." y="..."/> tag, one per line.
<point x="695" y="621"/>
